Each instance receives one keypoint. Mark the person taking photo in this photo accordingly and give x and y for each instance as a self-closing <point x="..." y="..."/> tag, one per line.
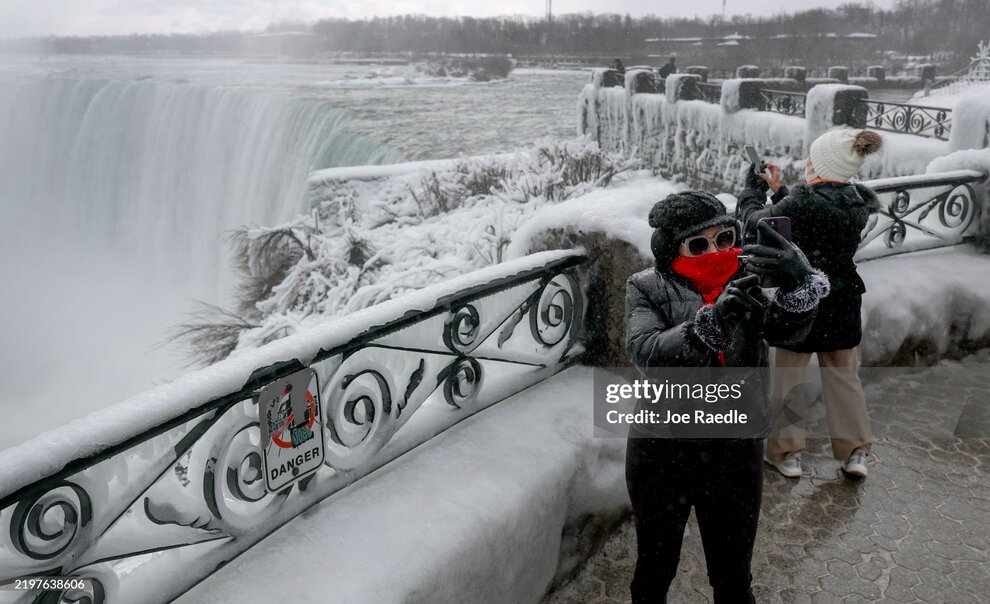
<point x="697" y="308"/>
<point x="828" y="214"/>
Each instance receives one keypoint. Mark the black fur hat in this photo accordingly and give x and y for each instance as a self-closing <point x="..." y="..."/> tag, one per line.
<point x="680" y="215"/>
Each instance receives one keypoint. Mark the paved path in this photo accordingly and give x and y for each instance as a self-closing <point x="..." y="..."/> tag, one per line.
<point x="917" y="530"/>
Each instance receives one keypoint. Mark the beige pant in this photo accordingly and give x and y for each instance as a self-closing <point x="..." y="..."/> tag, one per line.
<point x="845" y="405"/>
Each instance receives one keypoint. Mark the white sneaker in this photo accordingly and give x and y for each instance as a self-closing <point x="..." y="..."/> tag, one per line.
<point x="790" y="466"/>
<point x="855" y="466"/>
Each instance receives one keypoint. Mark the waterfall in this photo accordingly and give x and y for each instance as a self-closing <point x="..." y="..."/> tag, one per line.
<point x="114" y="200"/>
<point x="158" y="171"/>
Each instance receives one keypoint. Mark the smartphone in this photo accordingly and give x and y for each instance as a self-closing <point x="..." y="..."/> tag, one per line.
<point x="755" y="158"/>
<point x="781" y="224"/>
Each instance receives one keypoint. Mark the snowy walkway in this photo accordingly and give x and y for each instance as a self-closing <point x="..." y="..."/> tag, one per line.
<point x="915" y="530"/>
<point x="489" y="511"/>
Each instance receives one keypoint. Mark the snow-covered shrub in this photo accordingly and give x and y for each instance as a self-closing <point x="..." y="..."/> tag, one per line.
<point x="371" y="241"/>
<point x="559" y="170"/>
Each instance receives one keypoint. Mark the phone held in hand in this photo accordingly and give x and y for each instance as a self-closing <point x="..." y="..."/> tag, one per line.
<point x="755" y="158"/>
<point x="781" y="224"/>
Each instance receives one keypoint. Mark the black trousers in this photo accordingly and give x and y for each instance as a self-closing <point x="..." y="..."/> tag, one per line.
<point x="723" y="480"/>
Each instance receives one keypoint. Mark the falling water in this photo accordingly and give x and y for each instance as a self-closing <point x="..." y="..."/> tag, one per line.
<point x="114" y="200"/>
<point x="158" y="171"/>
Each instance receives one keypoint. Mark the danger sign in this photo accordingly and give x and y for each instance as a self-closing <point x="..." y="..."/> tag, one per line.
<point x="291" y="429"/>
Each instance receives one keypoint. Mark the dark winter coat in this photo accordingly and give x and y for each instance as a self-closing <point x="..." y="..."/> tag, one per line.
<point x="827" y="220"/>
<point x="664" y="327"/>
<point x="668" y="325"/>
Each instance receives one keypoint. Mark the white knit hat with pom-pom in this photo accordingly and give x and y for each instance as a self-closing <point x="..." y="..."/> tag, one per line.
<point x="839" y="154"/>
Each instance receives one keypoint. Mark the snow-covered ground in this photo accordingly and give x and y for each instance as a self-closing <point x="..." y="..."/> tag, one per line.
<point x="492" y="510"/>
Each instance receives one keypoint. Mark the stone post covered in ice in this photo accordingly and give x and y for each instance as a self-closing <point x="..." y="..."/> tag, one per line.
<point x="747" y="71"/>
<point x="741" y="94"/>
<point x="796" y="72"/>
<point x="877" y="71"/>
<point x="830" y="105"/>
<point x="839" y="73"/>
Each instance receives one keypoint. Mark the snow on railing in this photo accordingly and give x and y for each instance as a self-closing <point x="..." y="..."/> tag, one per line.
<point x="924" y="212"/>
<point x="144" y="499"/>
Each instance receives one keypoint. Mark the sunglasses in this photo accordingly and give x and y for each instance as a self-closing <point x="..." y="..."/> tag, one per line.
<point x="700" y="245"/>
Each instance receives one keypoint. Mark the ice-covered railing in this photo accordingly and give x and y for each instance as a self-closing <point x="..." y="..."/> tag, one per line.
<point x="924" y="212"/>
<point x="146" y="498"/>
<point x="695" y="131"/>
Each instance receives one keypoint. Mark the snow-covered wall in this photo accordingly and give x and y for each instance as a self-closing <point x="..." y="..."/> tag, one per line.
<point x="701" y="143"/>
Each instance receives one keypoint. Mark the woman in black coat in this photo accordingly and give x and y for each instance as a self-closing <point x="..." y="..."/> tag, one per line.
<point x="696" y="308"/>
<point x="828" y="215"/>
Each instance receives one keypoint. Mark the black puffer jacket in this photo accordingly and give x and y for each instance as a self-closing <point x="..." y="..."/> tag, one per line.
<point x="827" y="220"/>
<point x="666" y="325"/>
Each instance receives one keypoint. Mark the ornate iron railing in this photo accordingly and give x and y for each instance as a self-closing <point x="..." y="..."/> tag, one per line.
<point x="923" y="212"/>
<point x="711" y="93"/>
<point x="933" y="122"/>
<point x="782" y="101"/>
<point x="153" y="513"/>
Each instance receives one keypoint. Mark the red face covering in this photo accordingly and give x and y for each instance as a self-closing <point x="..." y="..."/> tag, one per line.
<point x="708" y="273"/>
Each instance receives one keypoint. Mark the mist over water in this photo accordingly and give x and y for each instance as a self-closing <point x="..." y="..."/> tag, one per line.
<point x="119" y="179"/>
<point x="158" y="171"/>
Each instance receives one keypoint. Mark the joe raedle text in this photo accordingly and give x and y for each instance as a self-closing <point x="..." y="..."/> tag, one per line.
<point x="682" y="403"/>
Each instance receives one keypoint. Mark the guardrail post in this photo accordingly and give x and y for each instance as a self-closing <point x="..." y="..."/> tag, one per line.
<point x="611" y="77"/>
<point x="749" y="94"/>
<point x="700" y="70"/>
<point x="681" y="87"/>
<point x="747" y="71"/>
<point x="830" y="105"/>
<point x="796" y="72"/>
<point x="643" y="82"/>
<point x="926" y="72"/>
<point x="847" y="108"/>
<point x="839" y="73"/>
<point x="877" y="71"/>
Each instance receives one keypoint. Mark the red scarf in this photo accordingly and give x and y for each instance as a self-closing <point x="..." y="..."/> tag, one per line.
<point x="708" y="273"/>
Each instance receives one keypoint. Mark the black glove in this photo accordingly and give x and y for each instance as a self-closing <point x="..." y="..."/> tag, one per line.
<point x="737" y="303"/>
<point x="753" y="181"/>
<point x="788" y="264"/>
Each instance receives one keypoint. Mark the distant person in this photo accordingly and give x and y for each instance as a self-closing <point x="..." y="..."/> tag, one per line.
<point x="619" y="67"/>
<point x="668" y="68"/>
<point x="828" y="215"/>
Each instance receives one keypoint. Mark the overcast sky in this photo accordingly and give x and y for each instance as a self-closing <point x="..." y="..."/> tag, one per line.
<point x="86" y="17"/>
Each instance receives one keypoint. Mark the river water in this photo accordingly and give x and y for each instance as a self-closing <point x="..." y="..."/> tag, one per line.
<point x="120" y="176"/>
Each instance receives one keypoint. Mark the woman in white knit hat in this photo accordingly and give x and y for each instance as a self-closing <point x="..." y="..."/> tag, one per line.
<point x="828" y="214"/>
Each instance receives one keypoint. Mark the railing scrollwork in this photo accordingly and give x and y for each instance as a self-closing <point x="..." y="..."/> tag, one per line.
<point x="925" y="212"/>
<point x="932" y="122"/>
<point x="782" y="101"/>
<point x="157" y="513"/>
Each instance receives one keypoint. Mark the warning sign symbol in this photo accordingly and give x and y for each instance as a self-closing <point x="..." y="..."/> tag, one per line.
<point x="291" y="429"/>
